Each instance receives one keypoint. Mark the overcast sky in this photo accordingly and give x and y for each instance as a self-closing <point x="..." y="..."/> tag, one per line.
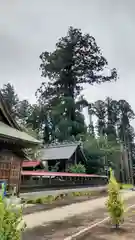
<point x="28" y="27"/>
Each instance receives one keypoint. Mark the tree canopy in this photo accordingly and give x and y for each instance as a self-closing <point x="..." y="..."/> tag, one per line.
<point x="77" y="61"/>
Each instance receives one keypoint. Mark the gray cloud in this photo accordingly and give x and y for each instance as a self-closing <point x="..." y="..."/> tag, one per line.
<point x="29" y="27"/>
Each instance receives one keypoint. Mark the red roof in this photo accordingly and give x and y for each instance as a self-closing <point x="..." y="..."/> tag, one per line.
<point x="61" y="174"/>
<point x="31" y="163"/>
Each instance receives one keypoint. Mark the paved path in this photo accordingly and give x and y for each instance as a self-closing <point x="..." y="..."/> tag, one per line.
<point x="45" y="217"/>
<point x="56" y="192"/>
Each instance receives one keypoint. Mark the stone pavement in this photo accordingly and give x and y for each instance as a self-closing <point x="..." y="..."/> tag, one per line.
<point x="61" y="213"/>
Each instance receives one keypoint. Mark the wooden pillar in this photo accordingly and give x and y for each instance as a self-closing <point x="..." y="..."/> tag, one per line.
<point x="19" y="180"/>
<point x="75" y="157"/>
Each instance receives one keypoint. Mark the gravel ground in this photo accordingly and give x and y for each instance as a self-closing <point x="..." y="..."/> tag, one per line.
<point x="60" y="203"/>
<point x="59" y="229"/>
<point x="105" y="231"/>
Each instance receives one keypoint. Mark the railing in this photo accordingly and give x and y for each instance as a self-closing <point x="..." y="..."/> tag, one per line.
<point x="31" y="180"/>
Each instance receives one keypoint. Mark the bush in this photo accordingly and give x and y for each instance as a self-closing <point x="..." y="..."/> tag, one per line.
<point x="76" y="194"/>
<point x="10" y="221"/>
<point x="57" y="197"/>
<point x="30" y="201"/>
<point x="89" y="193"/>
<point x="115" y="204"/>
<point x="40" y="200"/>
<point x="77" y="168"/>
<point x="50" y="198"/>
<point x="62" y="196"/>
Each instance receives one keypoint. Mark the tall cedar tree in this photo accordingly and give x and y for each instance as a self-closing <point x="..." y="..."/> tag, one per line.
<point x="99" y="110"/>
<point x="10" y="97"/>
<point x="112" y="109"/>
<point x="77" y="60"/>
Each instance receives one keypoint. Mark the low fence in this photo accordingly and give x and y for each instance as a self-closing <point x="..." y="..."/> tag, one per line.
<point x="48" y="180"/>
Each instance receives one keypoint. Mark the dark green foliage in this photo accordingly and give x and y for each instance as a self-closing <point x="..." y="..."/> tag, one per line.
<point x="76" y="60"/>
<point x="100" y="155"/>
<point x="11" y="98"/>
<point x="99" y="110"/>
<point x="94" y="155"/>
<point x="77" y="168"/>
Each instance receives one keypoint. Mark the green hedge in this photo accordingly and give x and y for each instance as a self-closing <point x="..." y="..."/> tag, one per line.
<point x="125" y="186"/>
<point x="50" y="198"/>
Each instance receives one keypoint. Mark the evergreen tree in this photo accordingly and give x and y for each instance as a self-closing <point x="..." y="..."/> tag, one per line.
<point x="10" y="97"/>
<point x="100" y="113"/>
<point x="77" y="60"/>
<point x="112" y="112"/>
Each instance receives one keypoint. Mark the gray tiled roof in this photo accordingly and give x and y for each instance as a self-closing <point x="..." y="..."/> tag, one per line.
<point x="7" y="131"/>
<point x="58" y="152"/>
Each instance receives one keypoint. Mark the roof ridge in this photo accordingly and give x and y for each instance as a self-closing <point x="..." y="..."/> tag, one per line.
<point x="60" y="145"/>
<point x="31" y="138"/>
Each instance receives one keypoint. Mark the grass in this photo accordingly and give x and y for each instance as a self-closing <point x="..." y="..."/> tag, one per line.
<point x="126" y="186"/>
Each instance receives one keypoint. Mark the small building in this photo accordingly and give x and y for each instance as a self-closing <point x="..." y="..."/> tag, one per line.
<point x="62" y="156"/>
<point x="13" y="142"/>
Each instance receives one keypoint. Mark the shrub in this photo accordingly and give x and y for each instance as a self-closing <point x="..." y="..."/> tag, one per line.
<point x="75" y="194"/>
<point x="62" y="195"/>
<point x="114" y="203"/>
<point x="88" y="193"/>
<point x="57" y="197"/>
<point x="40" y="200"/>
<point x="77" y="168"/>
<point x="10" y="222"/>
<point x="50" y="198"/>
<point x="30" y="201"/>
